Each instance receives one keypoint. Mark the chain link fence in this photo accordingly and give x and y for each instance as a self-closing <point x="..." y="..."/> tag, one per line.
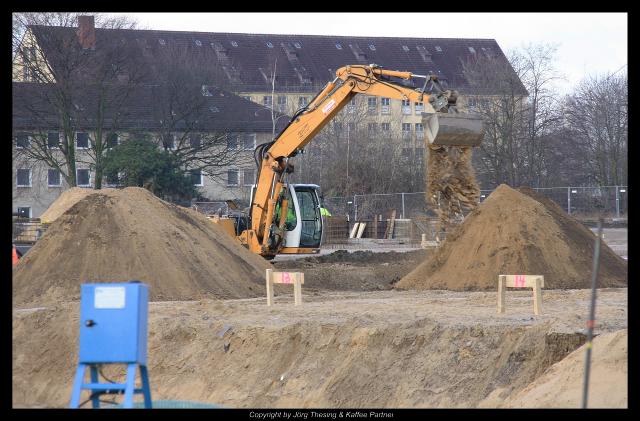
<point x="610" y="201"/>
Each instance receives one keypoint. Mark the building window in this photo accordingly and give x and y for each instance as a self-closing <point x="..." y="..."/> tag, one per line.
<point x="196" y="178"/>
<point x="419" y="156"/>
<point x="406" y="107"/>
<point x="82" y="140"/>
<point x="267" y="101"/>
<point x="472" y="102"/>
<point x="372" y="105"/>
<point x="351" y="106"/>
<point x="112" y="140"/>
<point x="249" y="142"/>
<point x="386" y="127"/>
<point x="24" y="211"/>
<point x="53" y="140"/>
<point x="406" y="153"/>
<point x="249" y="177"/>
<point x="232" y="178"/>
<point x="22" y="141"/>
<point x="351" y="128"/>
<point x="282" y="103"/>
<point x="386" y="105"/>
<point x="419" y="108"/>
<point x="484" y="103"/>
<point x="419" y="131"/>
<point x="170" y="143"/>
<point x="113" y="179"/>
<point x="195" y="140"/>
<point x="53" y="178"/>
<point x="83" y="178"/>
<point x="303" y="101"/>
<point x="338" y="127"/>
<point x="23" y="177"/>
<point x="373" y="128"/>
<point x="232" y="141"/>
<point x="406" y="131"/>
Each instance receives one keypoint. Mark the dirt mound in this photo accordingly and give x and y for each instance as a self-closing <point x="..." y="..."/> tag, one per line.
<point x="561" y="385"/>
<point x="515" y="233"/>
<point x="120" y="235"/>
<point x="67" y="199"/>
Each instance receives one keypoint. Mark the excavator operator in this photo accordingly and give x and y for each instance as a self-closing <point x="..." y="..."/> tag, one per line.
<point x="291" y="220"/>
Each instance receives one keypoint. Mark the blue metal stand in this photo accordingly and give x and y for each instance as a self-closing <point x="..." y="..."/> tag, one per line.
<point x="98" y="389"/>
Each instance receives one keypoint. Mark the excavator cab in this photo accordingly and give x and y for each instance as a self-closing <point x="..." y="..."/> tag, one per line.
<point x="303" y="222"/>
<point x="306" y="231"/>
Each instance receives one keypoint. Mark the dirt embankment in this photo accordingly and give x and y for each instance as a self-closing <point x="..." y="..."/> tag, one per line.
<point x="121" y="235"/>
<point x="561" y="385"/>
<point x="514" y="232"/>
<point x="333" y="352"/>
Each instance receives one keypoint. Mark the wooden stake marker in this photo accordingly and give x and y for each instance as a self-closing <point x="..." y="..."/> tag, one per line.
<point x="535" y="282"/>
<point x="295" y="278"/>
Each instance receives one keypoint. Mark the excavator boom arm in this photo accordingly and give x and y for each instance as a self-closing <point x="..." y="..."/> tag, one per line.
<point x="262" y="236"/>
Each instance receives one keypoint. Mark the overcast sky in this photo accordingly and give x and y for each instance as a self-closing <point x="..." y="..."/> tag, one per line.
<point x="588" y="43"/>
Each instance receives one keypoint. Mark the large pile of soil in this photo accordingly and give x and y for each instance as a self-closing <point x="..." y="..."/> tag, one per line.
<point x="67" y="199"/>
<point x="515" y="232"/>
<point x="129" y="234"/>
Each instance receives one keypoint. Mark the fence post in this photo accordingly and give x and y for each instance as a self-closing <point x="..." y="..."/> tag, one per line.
<point x="402" y="205"/>
<point x="569" y="200"/>
<point x="355" y="207"/>
<point x="617" y="202"/>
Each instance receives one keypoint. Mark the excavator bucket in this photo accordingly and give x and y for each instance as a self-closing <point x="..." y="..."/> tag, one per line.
<point x="453" y="129"/>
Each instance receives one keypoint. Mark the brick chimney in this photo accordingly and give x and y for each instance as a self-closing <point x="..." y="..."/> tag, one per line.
<point x="87" y="32"/>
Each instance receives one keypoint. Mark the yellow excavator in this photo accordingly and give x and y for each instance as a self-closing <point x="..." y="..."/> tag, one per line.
<point x="285" y="218"/>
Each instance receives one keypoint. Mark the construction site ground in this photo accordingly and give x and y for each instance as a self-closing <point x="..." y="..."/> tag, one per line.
<point x="339" y="349"/>
<point x="354" y="342"/>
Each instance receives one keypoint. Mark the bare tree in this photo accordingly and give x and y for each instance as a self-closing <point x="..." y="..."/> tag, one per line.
<point x="186" y="95"/>
<point x="597" y="117"/>
<point x="73" y="88"/>
<point x="518" y="124"/>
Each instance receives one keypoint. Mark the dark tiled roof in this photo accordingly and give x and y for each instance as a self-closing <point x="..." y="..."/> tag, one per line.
<point x="304" y="62"/>
<point x="221" y="111"/>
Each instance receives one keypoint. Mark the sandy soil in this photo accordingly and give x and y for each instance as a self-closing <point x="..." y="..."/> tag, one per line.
<point x="360" y="270"/>
<point x="117" y="235"/>
<point x="516" y="232"/>
<point x="561" y="386"/>
<point x="405" y="349"/>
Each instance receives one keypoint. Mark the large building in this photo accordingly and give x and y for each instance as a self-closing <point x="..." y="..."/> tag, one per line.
<point x="282" y="72"/>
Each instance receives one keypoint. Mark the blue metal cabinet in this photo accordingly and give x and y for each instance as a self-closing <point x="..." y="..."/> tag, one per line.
<point x="113" y="323"/>
<point x="113" y="330"/>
